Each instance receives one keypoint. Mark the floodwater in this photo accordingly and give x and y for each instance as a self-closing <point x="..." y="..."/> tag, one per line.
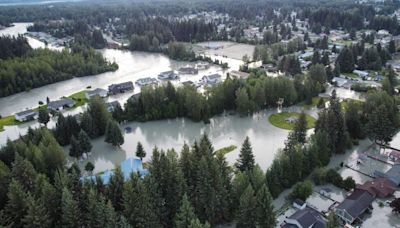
<point x="132" y="66"/>
<point x="223" y="131"/>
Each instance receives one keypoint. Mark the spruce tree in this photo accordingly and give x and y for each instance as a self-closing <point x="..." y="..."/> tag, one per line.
<point x="44" y="116"/>
<point x="140" y="151"/>
<point x="23" y="172"/>
<point x="84" y="142"/>
<point x="246" y="216"/>
<point x="195" y="223"/>
<point x="300" y="129"/>
<point x="246" y="157"/>
<point x="137" y="205"/>
<point x="113" y="134"/>
<point x="115" y="189"/>
<point x="71" y="214"/>
<point x="266" y="217"/>
<point x="75" y="150"/>
<point x="185" y="214"/>
<point x="37" y="214"/>
<point x="17" y="206"/>
<point x="98" y="111"/>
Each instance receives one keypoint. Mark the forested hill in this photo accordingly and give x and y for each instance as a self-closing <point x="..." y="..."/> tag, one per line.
<point x="23" y="68"/>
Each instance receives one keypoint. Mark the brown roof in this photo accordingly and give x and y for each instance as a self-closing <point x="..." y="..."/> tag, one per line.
<point x="395" y="153"/>
<point x="379" y="187"/>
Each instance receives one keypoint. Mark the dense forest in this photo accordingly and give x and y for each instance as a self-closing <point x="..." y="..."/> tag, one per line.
<point x="23" y="68"/>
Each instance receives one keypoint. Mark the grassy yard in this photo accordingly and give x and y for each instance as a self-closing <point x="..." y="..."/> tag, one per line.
<point x="79" y="97"/>
<point x="7" y="121"/>
<point x="225" y="150"/>
<point x="314" y="102"/>
<point x="279" y="120"/>
<point x="351" y="75"/>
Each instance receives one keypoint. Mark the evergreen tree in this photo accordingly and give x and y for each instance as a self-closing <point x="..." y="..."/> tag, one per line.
<point x="140" y="151"/>
<point x="113" y="134"/>
<point x="333" y="221"/>
<point x="17" y="206"/>
<point x="84" y="142"/>
<point x="44" y="116"/>
<point x="89" y="167"/>
<point x="353" y="122"/>
<point x="99" y="213"/>
<point x="300" y="129"/>
<point x="246" y="216"/>
<point x="115" y="189"/>
<point x="185" y="214"/>
<point x="75" y="150"/>
<point x="325" y="59"/>
<point x="88" y="125"/>
<point x="23" y="172"/>
<point x="137" y="206"/>
<point x="346" y="60"/>
<point x="379" y="127"/>
<point x="195" y="223"/>
<point x="266" y="217"/>
<point x="392" y="47"/>
<point x="243" y="104"/>
<point x="5" y="179"/>
<point x="246" y="157"/>
<point x="98" y="111"/>
<point x="71" y="214"/>
<point x="36" y="215"/>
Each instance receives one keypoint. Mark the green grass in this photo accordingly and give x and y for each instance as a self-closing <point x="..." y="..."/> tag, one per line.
<point x="79" y="97"/>
<point x="345" y="103"/>
<point x="7" y="121"/>
<point x="350" y="75"/>
<point x="278" y="120"/>
<point x="314" y="102"/>
<point x="225" y="150"/>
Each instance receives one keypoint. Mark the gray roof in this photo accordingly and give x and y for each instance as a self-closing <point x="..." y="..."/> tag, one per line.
<point x="96" y="91"/>
<point x="61" y="103"/>
<point x="309" y="217"/>
<point x="26" y="113"/>
<point x="393" y="174"/>
<point x="123" y="85"/>
<point x="356" y="203"/>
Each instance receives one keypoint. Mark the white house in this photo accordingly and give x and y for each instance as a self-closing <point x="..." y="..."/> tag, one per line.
<point x="299" y="204"/>
<point x="26" y="115"/>
<point x="361" y="73"/>
<point x="211" y="79"/>
<point x="168" y="75"/>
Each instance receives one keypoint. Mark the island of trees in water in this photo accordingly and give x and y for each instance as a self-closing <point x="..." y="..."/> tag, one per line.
<point x="23" y="68"/>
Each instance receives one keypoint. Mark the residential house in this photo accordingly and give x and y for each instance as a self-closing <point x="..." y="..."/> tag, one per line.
<point x="339" y="81"/>
<point x="269" y="68"/>
<point x="168" y="75"/>
<point x="379" y="187"/>
<point x="26" y="115"/>
<point x="111" y="106"/>
<point x="238" y="74"/>
<point x="59" y="105"/>
<point x="355" y="205"/>
<point x="393" y="174"/>
<point x="362" y="74"/>
<point x="120" y="87"/>
<point x="188" y="70"/>
<point x="211" y="79"/>
<point x="202" y="66"/>
<point x="305" y="218"/>
<point x="394" y="155"/>
<point x="146" y="81"/>
<point x="96" y="92"/>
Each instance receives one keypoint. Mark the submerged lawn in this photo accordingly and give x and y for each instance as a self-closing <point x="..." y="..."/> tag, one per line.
<point x="79" y="97"/>
<point x="225" y="150"/>
<point x="7" y="121"/>
<point x="279" y="120"/>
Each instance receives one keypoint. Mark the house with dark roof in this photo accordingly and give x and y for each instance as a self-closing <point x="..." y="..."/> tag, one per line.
<point x="238" y="74"/>
<point x="168" y="75"/>
<point x="120" y="87"/>
<point x="111" y="106"/>
<point x="146" y="81"/>
<point x="393" y="174"/>
<point x="26" y="115"/>
<point x="96" y="92"/>
<point x="305" y="218"/>
<point x="379" y="187"/>
<point x="188" y="70"/>
<point x="59" y="105"/>
<point x="356" y="204"/>
<point x="394" y="155"/>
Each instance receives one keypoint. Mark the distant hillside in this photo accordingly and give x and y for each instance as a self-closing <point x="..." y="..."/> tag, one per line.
<point x="33" y="2"/>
